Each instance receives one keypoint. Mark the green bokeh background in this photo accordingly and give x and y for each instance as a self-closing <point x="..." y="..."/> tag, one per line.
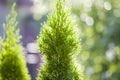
<point x="99" y="22"/>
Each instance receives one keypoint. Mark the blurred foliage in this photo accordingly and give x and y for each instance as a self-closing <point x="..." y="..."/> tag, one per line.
<point x="12" y="61"/>
<point x="99" y="22"/>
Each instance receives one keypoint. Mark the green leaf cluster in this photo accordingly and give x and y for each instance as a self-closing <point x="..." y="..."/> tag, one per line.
<point x="12" y="61"/>
<point x="58" y="42"/>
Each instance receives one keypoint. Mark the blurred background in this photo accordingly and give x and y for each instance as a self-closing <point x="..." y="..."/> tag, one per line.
<point x="99" y="29"/>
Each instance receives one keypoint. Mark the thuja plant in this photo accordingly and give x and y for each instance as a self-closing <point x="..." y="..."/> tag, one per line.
<point x="12" y="61"/>
<point x="58" y="42"/>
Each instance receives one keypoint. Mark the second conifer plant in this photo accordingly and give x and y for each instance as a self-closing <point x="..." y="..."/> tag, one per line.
<point x="12" y="61"/>
<point x="58" y="42"/>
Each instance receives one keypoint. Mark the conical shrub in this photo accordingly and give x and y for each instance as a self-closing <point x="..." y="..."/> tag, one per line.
<point x="12" y="61"/>
<point x="58" y="42"/>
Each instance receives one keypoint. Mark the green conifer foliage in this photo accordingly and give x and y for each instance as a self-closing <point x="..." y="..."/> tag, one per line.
<point x="12" y="61"/>
<point x="58" y="42"/>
